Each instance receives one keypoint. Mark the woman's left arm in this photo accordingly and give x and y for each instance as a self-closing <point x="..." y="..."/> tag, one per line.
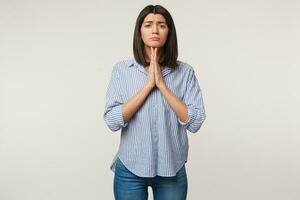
<point x="190" y="111"/>
<point x="175" y="103"/>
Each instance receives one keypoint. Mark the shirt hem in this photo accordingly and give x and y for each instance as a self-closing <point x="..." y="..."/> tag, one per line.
<point x="113" y="168"/>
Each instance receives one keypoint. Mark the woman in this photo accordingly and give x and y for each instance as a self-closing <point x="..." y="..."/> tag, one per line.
<point x="153" y="98"/>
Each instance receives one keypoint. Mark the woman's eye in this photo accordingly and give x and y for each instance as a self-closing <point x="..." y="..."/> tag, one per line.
<point x="162" y="26"/>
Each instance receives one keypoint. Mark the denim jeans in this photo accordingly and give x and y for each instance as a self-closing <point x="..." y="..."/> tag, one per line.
<point x="128" y="186"/>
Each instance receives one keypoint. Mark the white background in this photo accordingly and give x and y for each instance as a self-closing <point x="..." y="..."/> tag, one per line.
<point x="56" y="59"/>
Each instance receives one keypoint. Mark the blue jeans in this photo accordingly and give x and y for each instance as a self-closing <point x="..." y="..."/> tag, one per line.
<point x="128" y="186"/>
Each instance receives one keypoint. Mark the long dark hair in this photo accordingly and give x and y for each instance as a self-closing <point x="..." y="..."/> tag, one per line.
<point x="169" y="50"/>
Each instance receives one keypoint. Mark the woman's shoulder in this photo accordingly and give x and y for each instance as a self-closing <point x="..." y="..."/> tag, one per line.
<point x="124" y="63"/>
<point x="121" y="65"/>
<point x="185" y="66"/>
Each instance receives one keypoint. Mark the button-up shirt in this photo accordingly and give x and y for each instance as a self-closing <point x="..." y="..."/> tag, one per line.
<point x="154" y="141"/>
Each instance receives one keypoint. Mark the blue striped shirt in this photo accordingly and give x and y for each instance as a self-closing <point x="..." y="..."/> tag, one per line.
<point x="154" y="141"/>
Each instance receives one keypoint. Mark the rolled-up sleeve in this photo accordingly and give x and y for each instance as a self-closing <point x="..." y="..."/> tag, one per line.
<point x="194" y="102"/>
<point x="113" y="115"/>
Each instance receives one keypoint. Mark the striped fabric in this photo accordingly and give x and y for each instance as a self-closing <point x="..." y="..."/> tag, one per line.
<point x="154" y="141"/>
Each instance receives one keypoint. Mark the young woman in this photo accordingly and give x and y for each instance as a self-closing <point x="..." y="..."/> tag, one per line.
<point x="153" y="98"/>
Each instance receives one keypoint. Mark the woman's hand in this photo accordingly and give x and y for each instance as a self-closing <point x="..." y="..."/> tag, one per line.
<point x="151" y="72"/>
<point x="154" y="72"/>
<point x="159" y="81"/>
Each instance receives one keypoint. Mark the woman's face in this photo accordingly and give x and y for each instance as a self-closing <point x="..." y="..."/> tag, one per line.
<point x="154" y="30"/>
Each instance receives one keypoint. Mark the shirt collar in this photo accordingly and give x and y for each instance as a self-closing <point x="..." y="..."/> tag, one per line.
<point x="131" y="62"/>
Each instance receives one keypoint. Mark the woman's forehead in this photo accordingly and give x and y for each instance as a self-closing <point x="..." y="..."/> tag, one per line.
<point x="151" y="17"/>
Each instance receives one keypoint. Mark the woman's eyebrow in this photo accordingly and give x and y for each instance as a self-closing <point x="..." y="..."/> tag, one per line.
<point x="159" y="22"/>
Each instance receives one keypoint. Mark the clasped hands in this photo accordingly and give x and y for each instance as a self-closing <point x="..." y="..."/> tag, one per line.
<point x="154" y="73"/>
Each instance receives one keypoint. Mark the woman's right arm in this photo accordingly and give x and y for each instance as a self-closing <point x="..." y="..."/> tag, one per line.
<point x="117" y="112"/>
<point x="134" y="103"/>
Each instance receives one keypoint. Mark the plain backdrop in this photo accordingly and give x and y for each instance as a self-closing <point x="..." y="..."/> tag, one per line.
<point x="56" y="59"/>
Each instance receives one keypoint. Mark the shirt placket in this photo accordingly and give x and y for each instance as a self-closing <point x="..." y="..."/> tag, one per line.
<point x="155" y="127"/>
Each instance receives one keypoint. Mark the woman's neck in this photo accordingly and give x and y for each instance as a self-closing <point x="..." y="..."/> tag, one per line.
<point x="147" y="52"/>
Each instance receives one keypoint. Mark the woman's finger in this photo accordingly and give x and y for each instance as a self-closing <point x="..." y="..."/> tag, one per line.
<point x="154" y="55"/>
<point x="154" y="60"/>
<point x="155" y="50"/>
<point x="151" y="51"/>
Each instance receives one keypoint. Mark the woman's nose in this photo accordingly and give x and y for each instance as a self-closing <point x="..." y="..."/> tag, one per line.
<point x="154" y="29"/>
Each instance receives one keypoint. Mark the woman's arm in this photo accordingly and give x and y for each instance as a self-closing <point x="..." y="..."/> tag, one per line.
<point x="190" y="111"/>
<point x="175" y="103"/>
<point x="117" y="112"/>
<point x="134" y="103"/>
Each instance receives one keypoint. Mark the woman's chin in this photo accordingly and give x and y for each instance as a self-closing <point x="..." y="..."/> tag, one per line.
<point x="154" y="45"/>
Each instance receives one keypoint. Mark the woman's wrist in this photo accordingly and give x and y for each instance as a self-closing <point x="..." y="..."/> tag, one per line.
<point x="149" y="85"/>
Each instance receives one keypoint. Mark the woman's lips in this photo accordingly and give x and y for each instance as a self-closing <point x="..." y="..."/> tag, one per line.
<point x="154" y="38"/>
